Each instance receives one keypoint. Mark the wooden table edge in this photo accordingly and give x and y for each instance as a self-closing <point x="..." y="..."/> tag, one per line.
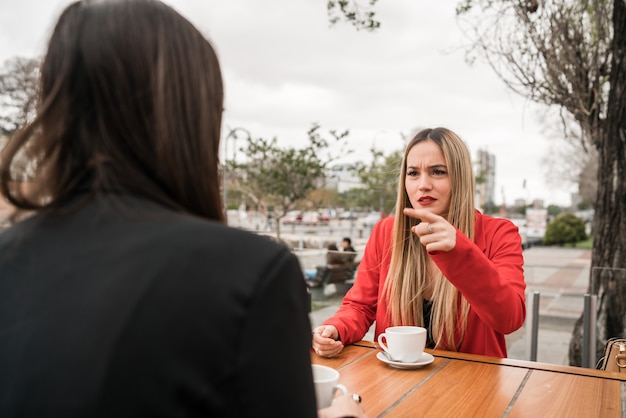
<point x="580" y="371"/>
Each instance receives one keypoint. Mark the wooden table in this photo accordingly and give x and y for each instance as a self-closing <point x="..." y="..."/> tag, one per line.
<point x="464" y="385"/>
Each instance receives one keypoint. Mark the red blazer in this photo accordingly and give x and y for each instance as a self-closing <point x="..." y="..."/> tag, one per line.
<point x="488" y="272"/>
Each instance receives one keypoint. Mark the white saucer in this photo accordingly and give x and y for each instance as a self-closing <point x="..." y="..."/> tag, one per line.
<point x="423" y="361"/>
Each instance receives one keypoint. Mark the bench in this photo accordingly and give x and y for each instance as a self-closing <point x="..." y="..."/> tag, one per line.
<point x="341" y="276"/>
<point x="340" y="257"/>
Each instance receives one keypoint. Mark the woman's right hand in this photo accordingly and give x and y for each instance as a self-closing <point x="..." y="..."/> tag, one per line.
<point x="325" y="341"/>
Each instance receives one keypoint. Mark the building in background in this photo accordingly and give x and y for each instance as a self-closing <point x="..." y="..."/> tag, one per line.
<point x="536" y="224"/>
<point x="576" y="200"/>
<point x="485" y="180"/>
<point x="342" y="178"/>
<point x="538" y="204"/>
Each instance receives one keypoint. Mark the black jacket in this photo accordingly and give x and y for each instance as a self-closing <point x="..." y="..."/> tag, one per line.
<point x="128" y="309"/>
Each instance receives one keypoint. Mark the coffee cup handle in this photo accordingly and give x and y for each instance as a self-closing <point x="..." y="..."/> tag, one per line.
<point x="381" y="343"/>
<point x="340" y="387"/>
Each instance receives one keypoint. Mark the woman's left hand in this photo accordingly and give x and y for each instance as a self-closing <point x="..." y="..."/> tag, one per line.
<point x="342" y="406"/>
<point x="434" y="231"/>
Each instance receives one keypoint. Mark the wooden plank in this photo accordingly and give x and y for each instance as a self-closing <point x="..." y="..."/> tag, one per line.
<point x="348" y="355"/>
<point x="549" y="394"/>
<point x="532" y="365"/>
<point x="463" y="389"/>
<point x="382" y="386"/>
<point x="379" y="385"/>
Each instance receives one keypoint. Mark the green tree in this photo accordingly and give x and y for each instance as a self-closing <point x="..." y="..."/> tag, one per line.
<point x="567" y="228"/>
<point x="380" y="180"/>
<point x="554" y="210"/>
<point x="355" y="198"/>
<point x="233" y="195"/>
<point x="584" y="205"/>
<point x="324" y="198"/>
<point x="276" y="179"/>
<point x="359" y="15"/>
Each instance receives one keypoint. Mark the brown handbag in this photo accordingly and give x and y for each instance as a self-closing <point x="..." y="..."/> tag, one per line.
<point x="614" y="359"/>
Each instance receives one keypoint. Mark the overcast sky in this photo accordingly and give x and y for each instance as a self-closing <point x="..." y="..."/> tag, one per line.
<point x="285" y="68"/>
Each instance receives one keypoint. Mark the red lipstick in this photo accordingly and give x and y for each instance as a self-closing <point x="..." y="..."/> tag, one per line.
<point x="426" y="200"/>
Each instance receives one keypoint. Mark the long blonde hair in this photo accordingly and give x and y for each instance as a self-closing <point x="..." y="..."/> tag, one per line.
<point x="407" y="279"/>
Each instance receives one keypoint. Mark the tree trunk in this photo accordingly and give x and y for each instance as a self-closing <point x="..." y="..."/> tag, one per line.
<point x="608" y="262"/>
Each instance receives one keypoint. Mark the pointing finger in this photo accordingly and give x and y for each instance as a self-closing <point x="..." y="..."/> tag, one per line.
<point x="423" y="214"/>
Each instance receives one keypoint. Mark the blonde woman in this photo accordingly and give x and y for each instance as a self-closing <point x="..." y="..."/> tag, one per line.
<point x="438" y="263"/>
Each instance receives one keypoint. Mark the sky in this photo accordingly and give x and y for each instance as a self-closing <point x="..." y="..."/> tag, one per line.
<point x="285" y="68"/>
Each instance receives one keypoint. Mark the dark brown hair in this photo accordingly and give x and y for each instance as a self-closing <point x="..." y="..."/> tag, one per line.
<point x="131" y="99"/>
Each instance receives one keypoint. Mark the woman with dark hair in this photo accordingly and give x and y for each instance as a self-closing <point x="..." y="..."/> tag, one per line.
<point x="438" y="263"/>
<point x="122" y="292"/>
<point x="346" y="245"/>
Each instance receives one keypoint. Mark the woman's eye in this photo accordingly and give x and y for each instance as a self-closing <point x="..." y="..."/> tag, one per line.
<point x="411" y="173"/>
<point x="438" y="172"/>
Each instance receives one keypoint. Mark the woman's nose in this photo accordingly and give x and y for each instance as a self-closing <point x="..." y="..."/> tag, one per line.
<point x="425" y="183"/>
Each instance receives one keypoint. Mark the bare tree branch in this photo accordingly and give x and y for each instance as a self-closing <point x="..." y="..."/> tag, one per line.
<point x="361" y="17"/>
<point x="19" y="83"/>
<point x="555" y="52"/>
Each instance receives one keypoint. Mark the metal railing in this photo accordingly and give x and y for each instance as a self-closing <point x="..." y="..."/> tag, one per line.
<point x="532" y="331"/>
<point x="590" y="325"/>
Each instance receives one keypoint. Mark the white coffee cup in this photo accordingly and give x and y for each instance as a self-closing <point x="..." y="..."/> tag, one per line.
<point x="326" y="381"/>
<point x="404" y="343"/>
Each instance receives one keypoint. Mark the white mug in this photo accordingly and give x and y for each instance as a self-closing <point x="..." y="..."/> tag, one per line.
<point x="326" y="381"/>
<point x="404" y="343"/>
